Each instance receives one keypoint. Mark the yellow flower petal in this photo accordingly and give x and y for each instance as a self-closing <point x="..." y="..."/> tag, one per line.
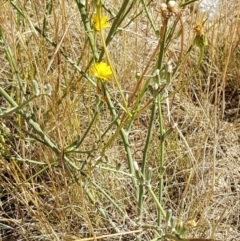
<point x="100" y="22"/>
<point x="102" y="71"/>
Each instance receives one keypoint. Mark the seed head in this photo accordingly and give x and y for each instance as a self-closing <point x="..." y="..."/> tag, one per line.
<point x="172" y="6"/>
<point x="163" y="7"/>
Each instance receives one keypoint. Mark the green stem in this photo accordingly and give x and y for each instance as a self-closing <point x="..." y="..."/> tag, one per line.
<point x="87" y="26"/>
<point x="34" y="124"/>
<point x="124" y="136"/>
<point x="110" y="63"/>
<point x="117" y="21"/>
<point x="48" y="10"/>
<point x="161" y="52"/>
<point x="19" y="107"/>
<point x="185" y="82"/>
<point x="150" y="18"/>
<point x="13" y="65"/>
<point x="144" y="162"/>
<point x="159" y="206"/>
<point x="71" y="62"/>
<point x="106" y="195"/>
<point x="161" y="157"/>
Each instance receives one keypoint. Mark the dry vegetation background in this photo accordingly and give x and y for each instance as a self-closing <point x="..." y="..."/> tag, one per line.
<point x="43" y="198"/>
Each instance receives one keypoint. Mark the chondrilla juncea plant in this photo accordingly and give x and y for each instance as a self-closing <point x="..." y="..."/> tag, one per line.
<point x="115" y="120"/>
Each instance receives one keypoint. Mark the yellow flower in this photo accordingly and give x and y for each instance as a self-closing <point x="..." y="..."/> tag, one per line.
<point x="100" y="22"/>
<point x="101" y="70"/>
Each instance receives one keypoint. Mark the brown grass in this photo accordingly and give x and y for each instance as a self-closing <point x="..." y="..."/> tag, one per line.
<point x="42" y="198"/>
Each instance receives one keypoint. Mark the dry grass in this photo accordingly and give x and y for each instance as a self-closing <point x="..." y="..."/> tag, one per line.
<point x="42" y="197"/>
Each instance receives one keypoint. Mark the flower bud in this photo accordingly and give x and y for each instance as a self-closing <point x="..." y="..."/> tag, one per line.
<point x="169" y="68"/>
<point x="136" y="167"/>
<point x="36" y="87"/>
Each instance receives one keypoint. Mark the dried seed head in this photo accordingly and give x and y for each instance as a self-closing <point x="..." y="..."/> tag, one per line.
<point x="164" y="10"/>
<point x="199" y="29"/>
<point x="172" y="6"/>
<point x="163" y="7"/>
